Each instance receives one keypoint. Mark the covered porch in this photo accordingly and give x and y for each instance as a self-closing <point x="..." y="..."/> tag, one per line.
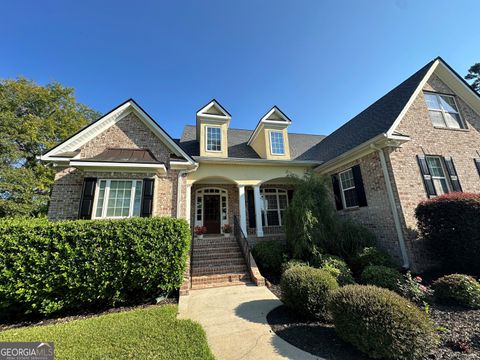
<point x="216" y="201"/>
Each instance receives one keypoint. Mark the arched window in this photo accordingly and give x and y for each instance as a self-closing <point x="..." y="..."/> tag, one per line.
<point x="275" y="201"/>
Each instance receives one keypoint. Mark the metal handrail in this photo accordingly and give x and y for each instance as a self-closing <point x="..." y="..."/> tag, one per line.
<point x="242" y="241"/>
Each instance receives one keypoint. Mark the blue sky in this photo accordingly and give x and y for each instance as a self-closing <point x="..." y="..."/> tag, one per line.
<point x="320" y="61"/>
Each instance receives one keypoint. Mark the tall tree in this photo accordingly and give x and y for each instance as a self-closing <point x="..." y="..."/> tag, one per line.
<point x="33" y="118"/>
<point x="474" y="74"/>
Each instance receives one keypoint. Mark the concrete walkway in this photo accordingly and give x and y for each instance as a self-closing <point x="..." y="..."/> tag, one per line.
<point x="234" y="319"/>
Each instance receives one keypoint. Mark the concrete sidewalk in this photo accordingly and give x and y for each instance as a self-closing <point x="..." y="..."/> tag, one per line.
<point x="234" y="319"/>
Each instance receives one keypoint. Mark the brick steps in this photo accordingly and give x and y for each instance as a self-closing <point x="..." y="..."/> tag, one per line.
<point x="217" y="261"/>
<point x="202" y="282"/>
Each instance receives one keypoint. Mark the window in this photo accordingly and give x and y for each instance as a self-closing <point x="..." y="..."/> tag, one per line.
<point x="437" y="171"/>
<point x="349" y="193"/>
<point x="443" y="111"/>
<point x="275" y="201"/>
<point x="276" y="143"/>
<point x="118" y="198"/>
<point x="214" y="139"/>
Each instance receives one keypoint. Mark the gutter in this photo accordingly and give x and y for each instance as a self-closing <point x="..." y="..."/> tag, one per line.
<point x="180" y="174"/>
<point x="249" y="161"/>
<point x="393" y="207"/>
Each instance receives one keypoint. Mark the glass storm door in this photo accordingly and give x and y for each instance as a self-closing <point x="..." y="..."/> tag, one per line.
<point x="211" y="213"/>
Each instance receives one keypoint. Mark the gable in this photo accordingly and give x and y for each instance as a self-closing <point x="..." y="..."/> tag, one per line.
<point x="128" y="133"/>
<point x="136" y="120"/>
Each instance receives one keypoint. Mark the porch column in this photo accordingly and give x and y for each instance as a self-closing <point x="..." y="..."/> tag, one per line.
<point x="258" y="210"/>
<point x="243" y="214"/>
<point x="188" y="202"/>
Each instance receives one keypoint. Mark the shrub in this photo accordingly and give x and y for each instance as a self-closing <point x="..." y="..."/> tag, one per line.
<point x="306" y="290"/>
<point x="350" y="238"/>
<point x="413" y="289"/>
<point x="382" y="276"/>
<point x="457" y="289"/>
<point x="380" y="323"/>
<point x="49" y="267"/>
<point x="338" y="268"/>
<point x="269" y="255"/>
<point x="309" y="218"/>
<point x="291" y="263"/>
<point x="450" y="225"/>
<point x="370" y="256"/>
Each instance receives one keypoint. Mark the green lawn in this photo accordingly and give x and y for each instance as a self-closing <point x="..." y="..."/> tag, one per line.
<point x="150" y="333"/>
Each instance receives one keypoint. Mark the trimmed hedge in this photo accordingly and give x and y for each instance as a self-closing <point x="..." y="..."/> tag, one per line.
<point x="306" y="290"/>
<point x="292" y="263"/>
<point x="450" y="225"/>
<point x="51" y="267"/>
<point x="338" y="268"/>
<point x="380" y="323"/>
<point x="370" y="256"/>
<point x="269" y="255"/>
<point x="457" y="289"/>
<point x="382" y="276"/>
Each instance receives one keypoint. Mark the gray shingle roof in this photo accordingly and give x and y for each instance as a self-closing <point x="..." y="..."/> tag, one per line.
<point x="371" y="122"/>
<point x="300" y="144"/>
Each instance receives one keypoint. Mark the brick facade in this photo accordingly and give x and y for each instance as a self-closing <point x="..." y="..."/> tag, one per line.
<point x="377" y="215"/>
<point x="129" y="132"/>
<point x="461" y="145"/>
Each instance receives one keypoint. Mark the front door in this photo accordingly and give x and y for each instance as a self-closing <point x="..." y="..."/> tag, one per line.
<point x="211" y="213"/>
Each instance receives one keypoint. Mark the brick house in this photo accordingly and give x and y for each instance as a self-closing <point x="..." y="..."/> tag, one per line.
<point x="419" y="140"/>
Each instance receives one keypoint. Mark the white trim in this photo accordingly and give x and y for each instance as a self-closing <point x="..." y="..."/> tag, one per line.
<point x="419" y="88"/>
<point x="201" y="193"/>
<point x="188" y="203"/>
<point x="342" y="190"/>
<point x="90" y="132"/>
<point x="271" y="142"/>
<point x="118" y="165"/>
<point x="206" y="138"/>
<point x="242" y="210"/>
<point x="107" y="194"/>
<point x="258" y="210"/>
<point x="277" y="193"/>
<point x="249" y="161"/>
<point x="203" y="111"/>
<point x="393" y="207"/>
<point x="463" y="124"/>
<point x="264" y="120"/>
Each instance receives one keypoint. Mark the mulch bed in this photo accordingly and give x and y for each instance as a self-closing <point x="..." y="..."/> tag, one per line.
<point x="460" y="338"/>
<point x="173" y="299"/>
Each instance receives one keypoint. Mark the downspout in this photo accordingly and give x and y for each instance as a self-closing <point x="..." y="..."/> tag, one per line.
<point x="179" y="188"/>
<point x="396" y="216"/>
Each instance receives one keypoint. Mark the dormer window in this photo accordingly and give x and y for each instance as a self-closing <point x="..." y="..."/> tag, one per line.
<point x="214" y="138"/>
<point x="277" y="145"/>
<point x="443" y="111"/>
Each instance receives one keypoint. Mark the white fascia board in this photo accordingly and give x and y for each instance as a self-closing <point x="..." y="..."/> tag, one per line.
<point x="179" y="165"/>
<point x="203" y="111"/>
<point x="412" y="98"/>
<point x="116" y="165"/>
<point x="109" y="120"/>
<point x="230" y="160"/>
<point x="264" y="120"/>
<point x="379" y="141"/>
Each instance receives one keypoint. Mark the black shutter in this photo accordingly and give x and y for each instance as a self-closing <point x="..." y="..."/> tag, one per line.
<point x="359" y="188"/>
<point x="427" y="178"/>
<point x="452" y="172"/>
<point x="477" y="164"/>
<point x="252" y="221"/>
<point x="290" y="196"/>
<point x="336" y="192"/>
<point x="86" y="201"/>
<point x="147" y="198"/>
